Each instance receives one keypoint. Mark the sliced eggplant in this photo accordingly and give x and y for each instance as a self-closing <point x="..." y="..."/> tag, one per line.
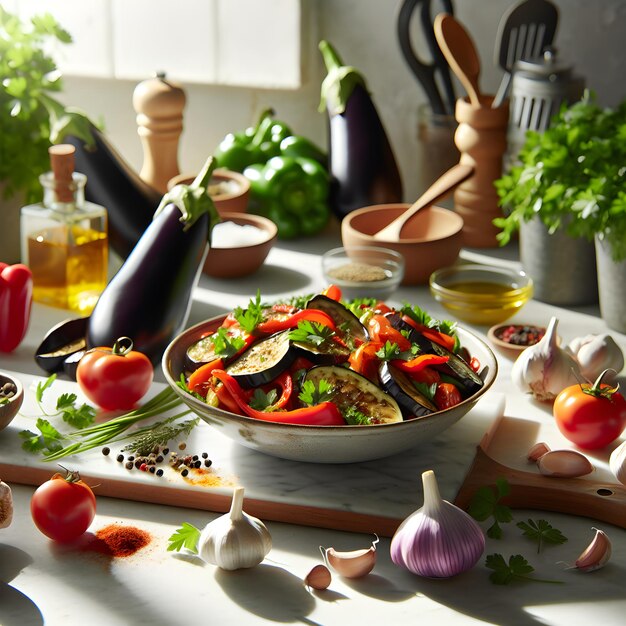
<point x="345" y="319"/>
<point x="469" y="382"/>
<point x="398" y="385"/>
<point x="356" y="395"/>
<point x="60" y="342"/>
<point x="327" y="353"/>
<point x="203" y="350"/>
<point x="263" y="361"/>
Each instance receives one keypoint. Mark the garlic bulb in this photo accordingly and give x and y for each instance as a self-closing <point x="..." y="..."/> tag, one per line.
<point x="439" y="540"/>
<point x="545" y="369"/>
<point x="353" y="564"/>
<point x="235" y="540"/>
<point x="596" y="554"/>
<point x="617" y="462"/>
<point x="6" y="505"/>
<point x="596" y="353"/>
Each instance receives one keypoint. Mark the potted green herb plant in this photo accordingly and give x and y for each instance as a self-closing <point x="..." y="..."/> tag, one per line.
<point x="31" y="119"/>
<point x="567" y="196"/>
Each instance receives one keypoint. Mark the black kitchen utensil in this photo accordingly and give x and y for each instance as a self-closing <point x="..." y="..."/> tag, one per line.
<point x="525" y="30"/>
<point x="434" y="76"/>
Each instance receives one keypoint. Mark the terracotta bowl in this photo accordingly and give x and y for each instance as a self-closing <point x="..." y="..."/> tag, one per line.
<point x="9" y="410"/>
<point x="229" y="190"/>
<point x="323" y="444"/>
<point x="432" y="239"/>
<point x="240" y="260"/>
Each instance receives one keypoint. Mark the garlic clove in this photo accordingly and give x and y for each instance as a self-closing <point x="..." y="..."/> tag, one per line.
<point x="564" y="464"/>
<point x="235" y="540"/>
<point x="596" y="353"/>
<point x="6" y="505"/>
<point x="354" y="564"/>
<point x="545" y="369"/>
<point x="318" y="578"/>
<point x="596" y="554"/>
<point x="537" y="451"/>
<point x="617" y="462"/>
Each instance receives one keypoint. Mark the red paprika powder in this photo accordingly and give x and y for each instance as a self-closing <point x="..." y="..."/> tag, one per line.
<point x="120" y="541"/>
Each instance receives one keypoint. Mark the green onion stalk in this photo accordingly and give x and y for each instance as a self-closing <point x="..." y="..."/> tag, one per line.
<point x="115" y="429"/>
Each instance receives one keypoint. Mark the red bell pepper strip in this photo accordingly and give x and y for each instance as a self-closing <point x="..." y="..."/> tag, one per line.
<point x="333" y="292"/>
<point x="16" y="296"/>
<point x="324" y="414"/>
<point x="285" y="382"/>
<point x="364" y="361"/>
<point x="419" y="362"/>
<point x="272" y="326"/>
<point x="381" y="331"/>
<point x="443" y="339"/>
<point x="198" y="381"/>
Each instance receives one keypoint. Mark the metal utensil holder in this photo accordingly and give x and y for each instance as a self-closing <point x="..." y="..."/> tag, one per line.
<point x="538" y="89"/>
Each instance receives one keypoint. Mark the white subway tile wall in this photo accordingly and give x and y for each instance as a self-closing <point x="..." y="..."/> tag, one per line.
<point x="248" y="43"/>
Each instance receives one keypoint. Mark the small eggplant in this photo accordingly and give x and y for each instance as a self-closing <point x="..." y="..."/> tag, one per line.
<point x="129" y="201"/>
<point x="361" y="162"/>
<point x="150" y="297"/>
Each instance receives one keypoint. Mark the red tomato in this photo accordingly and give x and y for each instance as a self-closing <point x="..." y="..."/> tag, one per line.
<point x="115" y="378"/>
<point x="63" y="507"/>
<point x="446" y="396"/>
<point x="591" y="416"/>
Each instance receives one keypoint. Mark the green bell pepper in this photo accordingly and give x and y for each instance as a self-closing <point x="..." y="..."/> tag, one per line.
<point x="299" y="146"/>
<point x="292" y="192"/>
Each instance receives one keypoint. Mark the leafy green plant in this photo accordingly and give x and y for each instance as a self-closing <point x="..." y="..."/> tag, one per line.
<point x="30" y="118"/>
<point x="572" y="176"/>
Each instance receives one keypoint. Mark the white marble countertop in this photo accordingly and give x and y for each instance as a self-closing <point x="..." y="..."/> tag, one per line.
<point x="41" y="582"/>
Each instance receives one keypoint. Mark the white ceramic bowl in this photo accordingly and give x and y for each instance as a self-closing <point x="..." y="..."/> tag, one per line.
<point x="324" y="444"/>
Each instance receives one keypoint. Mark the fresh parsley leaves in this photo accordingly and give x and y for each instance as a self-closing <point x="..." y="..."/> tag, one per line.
<point x="312" y="333"/>
<point x="485" y="503"/>
<point x="186" y="537"/>
<point x="225" y="344"/>
<point x="313" y="394"/>
<point x="517" y="568"/>
<point x="47" y="440"/>
<point x="262" y="401"/>
<point x="541" y="532"/>
<point x="251" y="317"/>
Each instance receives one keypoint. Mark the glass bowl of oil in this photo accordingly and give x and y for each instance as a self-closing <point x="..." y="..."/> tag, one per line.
<point x="481" y="294"/>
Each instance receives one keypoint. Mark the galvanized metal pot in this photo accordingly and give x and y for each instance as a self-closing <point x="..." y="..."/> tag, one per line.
<point x="612" y="287"/>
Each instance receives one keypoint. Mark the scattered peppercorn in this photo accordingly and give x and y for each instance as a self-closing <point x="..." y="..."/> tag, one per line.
<point x="208" y="463"/>
<point x="182" y="445"/>
<point x="159" y="472"/>
<point x="120" y="458"/>
<point x="106" y="451"/>
<point x="185" y="472"/>
<point x="205" y="455"/>
<point x="152" y="469"/>
<point x="129" y="465"/>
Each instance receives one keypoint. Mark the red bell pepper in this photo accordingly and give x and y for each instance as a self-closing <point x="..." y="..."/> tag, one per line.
<point x="16" y="296"/>
<point x="272" y="326"/>
<point x="285" y="382"/>
<point x="419" y="362"/>
<point x="198" y="381"/>
<point x="381" y="331"/>
<point x="333" y="292"/>
<point x="364" y="361"/>
<point x="443" y="339"/>
<point x="324" y="414"/>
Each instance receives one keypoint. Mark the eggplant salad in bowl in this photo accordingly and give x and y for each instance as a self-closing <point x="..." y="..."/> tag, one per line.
<point x="321" y="379"/>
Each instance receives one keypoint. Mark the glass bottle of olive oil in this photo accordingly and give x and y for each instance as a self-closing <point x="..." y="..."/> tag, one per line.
<point x="64" y="239"/>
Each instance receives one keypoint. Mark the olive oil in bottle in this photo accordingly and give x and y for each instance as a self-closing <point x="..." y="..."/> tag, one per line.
<point x="64" y="240"/>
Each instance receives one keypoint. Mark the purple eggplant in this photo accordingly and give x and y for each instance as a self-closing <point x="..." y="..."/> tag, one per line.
<point x="361" y="163"/>
<point x="129" y="201"/>
<point x="150" y="297"/>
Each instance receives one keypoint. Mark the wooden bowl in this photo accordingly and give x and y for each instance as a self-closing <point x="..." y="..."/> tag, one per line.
<point x="9" y="410"/>
<point x="240" y="260"/>
<point x="230" y="191"/>
<point x="432" y="239"/>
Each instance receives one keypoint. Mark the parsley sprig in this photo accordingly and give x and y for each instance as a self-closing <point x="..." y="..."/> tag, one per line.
<point x="312" y="333"/>
<point x="186" y="537"/>
<point x="541" y="532"/>
<point x="313" y="394"/>
<point x="225" y="344"/>
<point x="485" y="503"/>
<point x="517" y="568"/>
<point x="252" y="316"/>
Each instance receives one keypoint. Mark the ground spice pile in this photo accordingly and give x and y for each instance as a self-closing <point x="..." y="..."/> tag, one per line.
<point x="120" y="541"/>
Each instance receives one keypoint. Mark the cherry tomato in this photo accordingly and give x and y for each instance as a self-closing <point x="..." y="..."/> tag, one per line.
<point x="591" y="416"/>
<point x="333" y="292"/>
<point x="63" y="507"/>
<point x="446" y="396"/>
<point x="115" y="378"/>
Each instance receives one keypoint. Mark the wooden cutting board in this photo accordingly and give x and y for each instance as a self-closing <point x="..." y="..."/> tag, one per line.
<point x="502" y="454"/>
<point x="362" y="497"/>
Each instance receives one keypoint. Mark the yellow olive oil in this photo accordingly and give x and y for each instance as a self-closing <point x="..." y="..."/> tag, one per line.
<point x="480" y="287"/>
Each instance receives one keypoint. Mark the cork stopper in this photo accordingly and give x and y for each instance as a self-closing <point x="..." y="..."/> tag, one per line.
<point x="62" y="165"/>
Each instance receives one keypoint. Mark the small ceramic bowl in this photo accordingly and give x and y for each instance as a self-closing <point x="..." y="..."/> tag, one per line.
<point x="230" y="191"/>
<point x="363" y="272"/>
<point x="233" y="259"/>
<point x="432" y="239"/>
<point x="513" y="338"/>
<point x="9" y="409"/>
<point x="481" y="294"/>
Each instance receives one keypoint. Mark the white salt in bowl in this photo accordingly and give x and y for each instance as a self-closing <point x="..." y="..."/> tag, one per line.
<point x="239" y="245"/>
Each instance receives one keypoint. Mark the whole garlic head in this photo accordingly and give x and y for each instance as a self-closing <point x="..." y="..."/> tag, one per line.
<point x="235" y="540"/>
<point x="545" y="369"/>
<point x="596" y="353"/>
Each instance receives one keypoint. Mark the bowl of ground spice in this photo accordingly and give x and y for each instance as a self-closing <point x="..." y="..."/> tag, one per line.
<point x="364" y="271"/>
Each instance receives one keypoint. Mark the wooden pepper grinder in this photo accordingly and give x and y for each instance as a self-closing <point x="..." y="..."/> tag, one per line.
<point x="159" y="105"/>
<point x="481" y="139"/>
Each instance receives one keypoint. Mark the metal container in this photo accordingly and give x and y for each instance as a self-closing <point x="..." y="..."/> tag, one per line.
<point x="538" y="89"/>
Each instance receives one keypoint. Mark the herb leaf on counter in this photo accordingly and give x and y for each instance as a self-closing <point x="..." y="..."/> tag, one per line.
<point x="48" y="439"/>
<point x="76" y="416"/>
<point x="541" y="531"/>
<point x="485" y="504"/>
<point x="517" y="568"/>
<point x="184" y="537"/>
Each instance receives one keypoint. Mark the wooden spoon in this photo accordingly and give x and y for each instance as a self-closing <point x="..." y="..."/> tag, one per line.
<point x="460" y="52"/>
<point x="438" y="190"/>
